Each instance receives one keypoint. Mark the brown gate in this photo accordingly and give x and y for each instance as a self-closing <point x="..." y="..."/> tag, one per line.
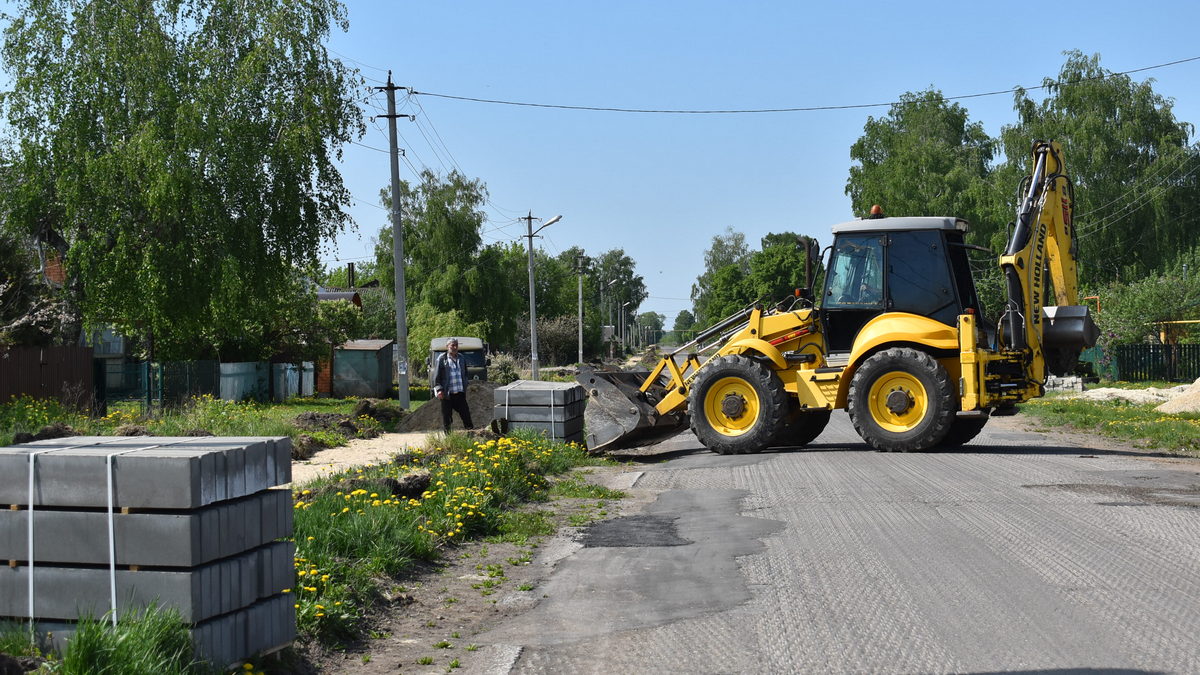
<point x="63" y="373"/>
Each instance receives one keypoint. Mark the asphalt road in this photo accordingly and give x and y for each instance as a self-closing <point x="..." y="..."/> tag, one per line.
<point x="1016" y="554"/>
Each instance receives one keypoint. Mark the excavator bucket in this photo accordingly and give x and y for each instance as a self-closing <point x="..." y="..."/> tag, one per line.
<point x="619" y="414"/>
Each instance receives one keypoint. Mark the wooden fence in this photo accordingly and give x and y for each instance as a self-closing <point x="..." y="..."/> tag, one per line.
<point x="63" y="373"/>
<point x="1171" y="363"/>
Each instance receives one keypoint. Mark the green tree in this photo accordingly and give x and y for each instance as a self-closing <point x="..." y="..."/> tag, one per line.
<point x="1129" y="157"/>
<point x="719" y="291"/>
<point x="779" y="268"/>
<point x="426" y="322"/>
<point x="682" y="330"/>
<point x="180" y="157"/>
<point x="650" y="327"/>
<point x="446" y="266"/>
<point x="924" y="158"/>
<point x="613" y="275"/>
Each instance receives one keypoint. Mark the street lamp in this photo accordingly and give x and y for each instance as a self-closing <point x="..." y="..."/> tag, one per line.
<point x="533" y="303"/>
<point x="624" y="325"/>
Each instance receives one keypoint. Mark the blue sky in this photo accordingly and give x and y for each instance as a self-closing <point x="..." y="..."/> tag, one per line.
<point x="661" y="186"/>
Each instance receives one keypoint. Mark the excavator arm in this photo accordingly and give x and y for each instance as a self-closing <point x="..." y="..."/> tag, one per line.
<point x="1042" y="255"/>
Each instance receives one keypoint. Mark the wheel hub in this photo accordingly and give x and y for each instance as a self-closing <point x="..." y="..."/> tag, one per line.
<point x="733" y="406"/>
<point x="899" y="401"/>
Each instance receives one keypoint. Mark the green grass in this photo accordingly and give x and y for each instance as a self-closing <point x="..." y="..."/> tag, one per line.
<point x="222" y="418"/>
<point x="574" y="486"/>
<point x="1138" y="424"/>
<point x="156" y="642"/>
<point x="350" y="533"/>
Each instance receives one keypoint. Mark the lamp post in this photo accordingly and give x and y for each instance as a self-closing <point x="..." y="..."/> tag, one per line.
<point x="579" y="265"/>
<point x="533" y="349"/>
<point x="624" y="326"/>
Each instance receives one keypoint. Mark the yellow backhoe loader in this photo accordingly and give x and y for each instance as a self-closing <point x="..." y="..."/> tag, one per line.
<point x="898" y="341"/>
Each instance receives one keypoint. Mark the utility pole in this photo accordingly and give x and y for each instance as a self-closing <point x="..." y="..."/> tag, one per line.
<point x="401" y="362"/>
<point x="533" y="346"/>
<point x="579" y="264"/>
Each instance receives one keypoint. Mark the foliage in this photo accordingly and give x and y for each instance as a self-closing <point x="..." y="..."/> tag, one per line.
<point x="924" y="158"/>
<point x="681" y="331"/>
<point x="180" y="157"/>
<point x="717" y="291"/>
<point x="1127" y="154"/>
<point x="558" y="340"/>
<point x="339" y="277"/>
<point x="745" y="276"/>
<point x="503" y="369"/>
<point x="445" y="266"/>
<point x="378" y="314"/>
<point x="1130" y="311"/>
<point x="426" y="323"/>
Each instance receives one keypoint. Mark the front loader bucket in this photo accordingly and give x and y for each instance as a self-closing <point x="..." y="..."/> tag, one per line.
<point x="619" y="415"/>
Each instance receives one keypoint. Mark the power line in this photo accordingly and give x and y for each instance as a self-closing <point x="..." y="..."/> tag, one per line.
<point x="750" y="111"/>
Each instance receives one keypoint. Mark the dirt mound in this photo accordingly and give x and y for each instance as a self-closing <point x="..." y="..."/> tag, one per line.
<point x="54" y="430"/>
<point x="340" y="424"/>
<point x="383" y="411"/>
<point x="480" y="398"/>
<point x="1186" y="401"/>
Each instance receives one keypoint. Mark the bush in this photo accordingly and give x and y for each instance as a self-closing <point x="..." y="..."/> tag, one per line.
<point x="503" y="369"/>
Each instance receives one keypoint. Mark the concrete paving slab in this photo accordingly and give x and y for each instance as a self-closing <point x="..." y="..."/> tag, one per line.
<point x="156" y="472"/>
<point x="531" y="392"/>
<point x="553" y="429"/>
<point x="66" y="593"/>
<point x="538" y="413"/>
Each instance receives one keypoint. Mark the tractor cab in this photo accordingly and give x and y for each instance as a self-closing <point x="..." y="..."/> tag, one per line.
<point x="878" y="265"/>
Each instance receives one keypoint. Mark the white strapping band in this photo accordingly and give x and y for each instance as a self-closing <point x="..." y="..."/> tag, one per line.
<point x="29" y="544"/>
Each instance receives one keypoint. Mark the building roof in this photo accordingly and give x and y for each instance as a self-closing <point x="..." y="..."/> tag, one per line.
<point x="350" y="296"/>
<point x="367" y="345"/>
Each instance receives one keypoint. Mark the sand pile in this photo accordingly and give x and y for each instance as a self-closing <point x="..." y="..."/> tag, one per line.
<point x="1186" y="401"/>
<point x="1184" y="398"/>
<point x="480" y="398"/>
<point x="1149" y="395"/>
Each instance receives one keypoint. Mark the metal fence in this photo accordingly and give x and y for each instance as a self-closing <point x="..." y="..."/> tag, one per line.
<point x="1171" y="363"/>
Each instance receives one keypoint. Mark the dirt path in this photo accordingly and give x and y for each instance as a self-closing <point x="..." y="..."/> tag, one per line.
<point x="357" y="452"/>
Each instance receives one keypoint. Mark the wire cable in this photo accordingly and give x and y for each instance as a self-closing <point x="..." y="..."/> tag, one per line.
<point x="751" y="111"/>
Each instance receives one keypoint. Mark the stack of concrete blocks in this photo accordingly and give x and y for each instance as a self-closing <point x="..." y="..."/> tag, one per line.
<point x="198" y="524"/>
<point x="553" y="408"/>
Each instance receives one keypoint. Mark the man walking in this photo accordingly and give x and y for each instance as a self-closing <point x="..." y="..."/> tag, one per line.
<point x="450" y="385"/>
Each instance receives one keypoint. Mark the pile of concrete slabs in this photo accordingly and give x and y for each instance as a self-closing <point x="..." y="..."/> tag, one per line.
<point x="196" y="525"/>
<point x="553" y="408"/>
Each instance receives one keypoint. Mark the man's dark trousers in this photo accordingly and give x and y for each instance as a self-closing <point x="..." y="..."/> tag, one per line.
<point x="457" y="402"/>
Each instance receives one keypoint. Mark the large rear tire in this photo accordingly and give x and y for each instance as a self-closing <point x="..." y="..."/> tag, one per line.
<point x="901" y="400"/>
<point x="802" y="427"/>
<point x="737" y="405"/>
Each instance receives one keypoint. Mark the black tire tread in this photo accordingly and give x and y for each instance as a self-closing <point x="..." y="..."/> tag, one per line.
<point x="773" y="405"/>
<point x="940" y="393"/>
<point x="802" y="428"/>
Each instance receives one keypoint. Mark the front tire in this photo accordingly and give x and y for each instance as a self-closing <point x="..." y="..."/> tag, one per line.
<point x="737" y="405"/>
<point x="901" y="400"/>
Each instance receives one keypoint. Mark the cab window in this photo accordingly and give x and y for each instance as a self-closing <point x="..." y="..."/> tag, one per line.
<point x="856" y="273"/>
